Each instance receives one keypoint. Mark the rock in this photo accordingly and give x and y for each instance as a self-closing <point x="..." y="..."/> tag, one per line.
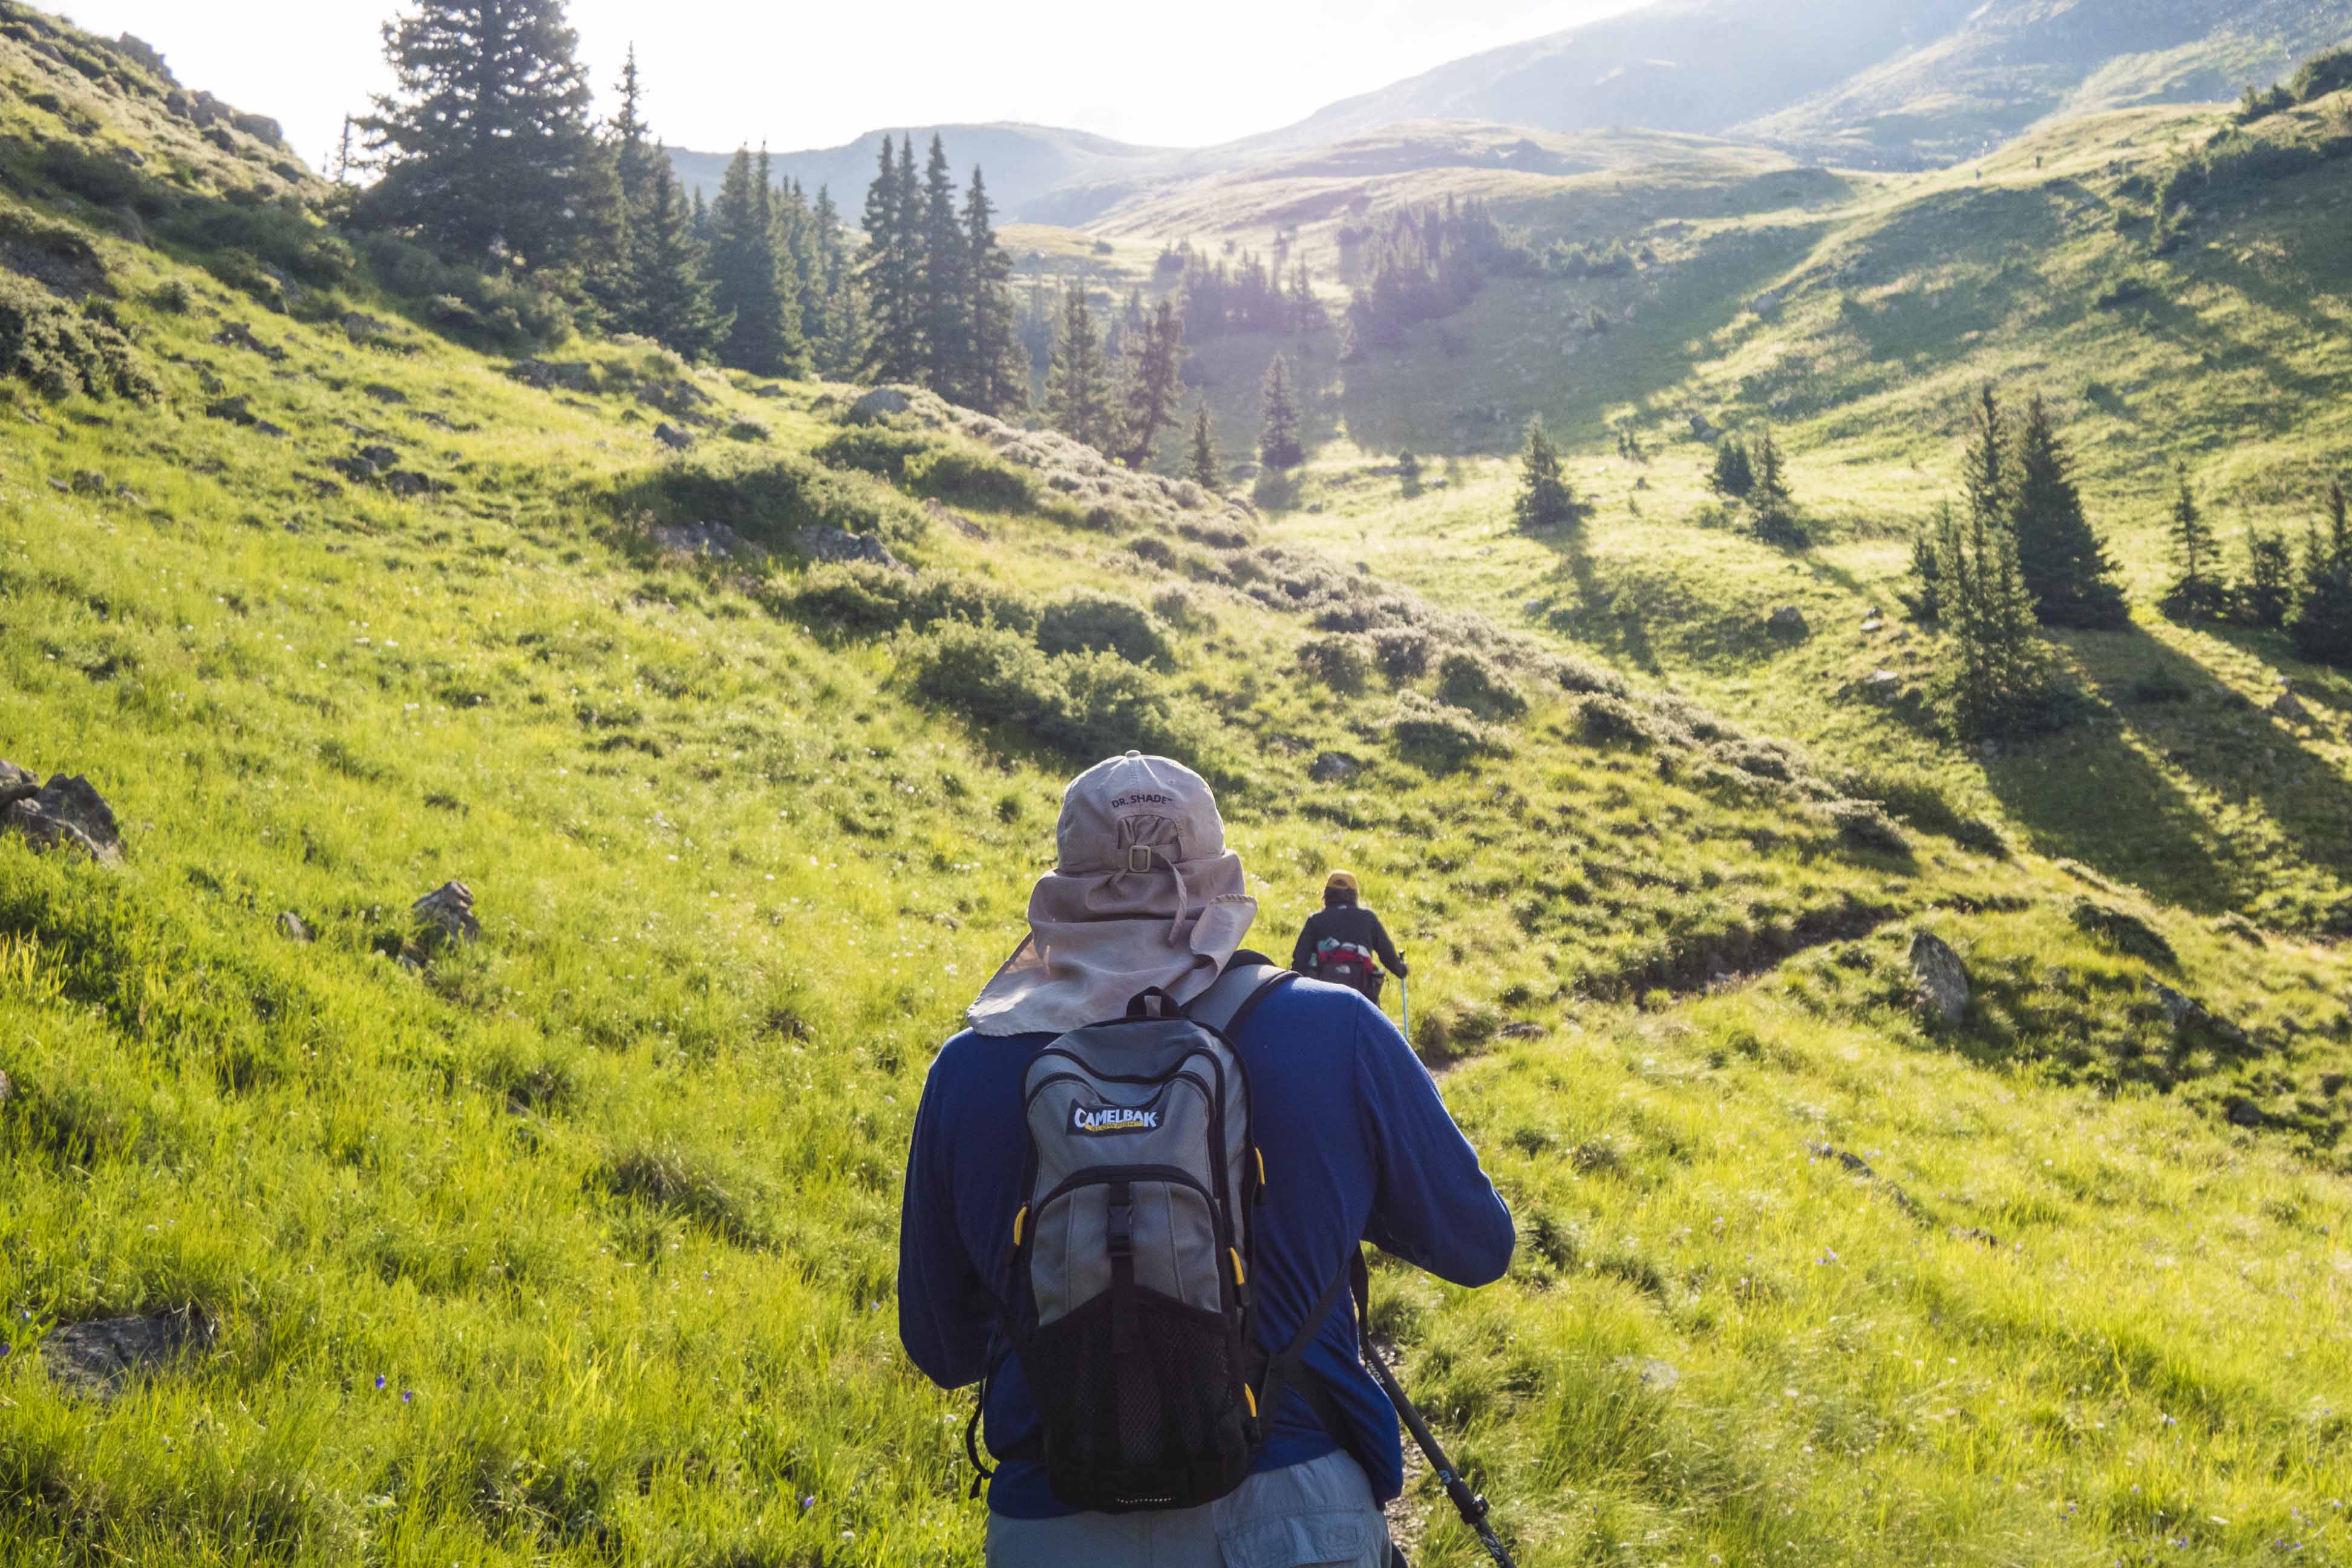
<point x="1881" y="684"/>
<point x="17" y="783"/>
<point x="835" y="545"/>
<point x="670" y="436"/>
<point x="1702" y="428"/>
<point x="1786" y="621"/>
<point x="1334" y="767"/>
<point x="702" y="539"/>
<point x="408" y="482"/>
<point x="1939" y="977"/>
<point x="2244" y="1112"/>
<point x="2286" y="705"/>
<point x="1523" y="1030"/>
<point x="544" y="374"/>
<point x="377" y="456"/>
<point x="1766" y="304"/>
<point x="389" y="395"/>
<point x="66" y="814"/>
<point x="237" y="336"/>
<point x="449" y="909"/>
<point x="956" y="520"/>
<point x="237" y="410"/>
<point x="879" y="403"/>
<point x="290" y="927"/>
<point x="2181" y="1009"/>
<point x="98" y="1359"/>
<point x="2122" y="929"/>
<point x="361" y="328"/>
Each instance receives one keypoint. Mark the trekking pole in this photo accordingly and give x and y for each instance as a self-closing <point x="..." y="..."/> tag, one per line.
<point x="1468" y="1503"/>
<point x="1404" y="1001"/>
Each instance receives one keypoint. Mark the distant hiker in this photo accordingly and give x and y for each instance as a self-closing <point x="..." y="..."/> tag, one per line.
<point x="1133" y="1203"/>
<point x="1341" y="940"/>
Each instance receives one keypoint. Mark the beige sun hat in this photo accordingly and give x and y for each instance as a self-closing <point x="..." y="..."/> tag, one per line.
<point x="1143" y="893"/>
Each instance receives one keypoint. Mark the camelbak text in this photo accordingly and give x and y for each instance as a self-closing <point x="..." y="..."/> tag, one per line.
<point x="1095" y="1120"/>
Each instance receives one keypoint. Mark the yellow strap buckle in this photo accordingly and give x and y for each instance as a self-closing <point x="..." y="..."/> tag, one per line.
<point x="1016" y="1224"/>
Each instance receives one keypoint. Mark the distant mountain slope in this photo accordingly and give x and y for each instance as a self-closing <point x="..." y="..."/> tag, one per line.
<point x="2018" y="61"/>
<point x="1866" y="80"/>
<point x="1022" y="162"/>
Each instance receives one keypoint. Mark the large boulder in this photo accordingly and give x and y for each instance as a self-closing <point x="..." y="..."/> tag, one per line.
<point x="66" y="812"/>
<point x="1786" y="621"/>
<point x="100" y="1358"/>
<point x="448" y="909"/>
<point x="1939" y="978"/>
<point x="17" y="783"/>
<point x="1334" y="767"/>
<point x="879" y="403"/>
<point x="670" y="436"/>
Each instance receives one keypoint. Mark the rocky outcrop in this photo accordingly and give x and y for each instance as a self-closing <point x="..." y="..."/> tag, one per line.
<point x="1939" y="978"/>
<point x="448" y="909"/>
<point x="834" y="544"/>
<point x="102" y="1358"/>
<point x="546" y="374"/>
<point x="1334" y="767"/>
<point x="670" y="436"/>
<point x="67" y="812"/>
<point x="1786" y="621"/>
<point x="879" y="403"/>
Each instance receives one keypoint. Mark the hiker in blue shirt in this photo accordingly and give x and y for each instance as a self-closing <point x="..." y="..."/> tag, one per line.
<point x="1355" y="1144"/>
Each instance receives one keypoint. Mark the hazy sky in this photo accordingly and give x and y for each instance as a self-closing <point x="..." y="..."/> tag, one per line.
<point x="721" y="72"/>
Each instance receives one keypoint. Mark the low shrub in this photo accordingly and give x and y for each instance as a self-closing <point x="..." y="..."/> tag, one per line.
<point x="1468" y="681"/>
<point x="1574" y="675"/>
<point x="769" y="495"/>
<point x="1401" y="652"/>
<point x="62" y="351"/>
<point x="1919" y="800"/>
<point x="1340" y="662"/>
<point x="99" y="177"/>
<point x="1081" y="707"/>
<point x="1439" y="738"/>
<point x="1602" y="720"/>
<point x="1864" y="825"/>
<point x="864" y="599"/>
<point x="1453" y="1030"/>
<point x="1089" y="621"/>
<point x="1181" y="608"/>
<point x="2160" y="687"/>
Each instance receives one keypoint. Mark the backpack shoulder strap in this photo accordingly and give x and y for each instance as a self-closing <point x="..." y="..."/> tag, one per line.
<point x="1236" y="994"/>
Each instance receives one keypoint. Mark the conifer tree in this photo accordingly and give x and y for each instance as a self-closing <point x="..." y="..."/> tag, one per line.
<point x="1078" y="391"/>
<point x="1202" y="467"/>
<point x="1278" y="443"/>
<point x="2196" y="594"/>
<point x="1930" y="548"/>
<point x="945" y="280"/>
<point x="1152" y="384"/>
<point x="1000" y="366"/>
<point x="891" y="272"/>
<point x="1409" y="470"/>
<point x="1546" y="499"/>
<point x="1733" y="475"/>
<point x="635" y="155"/>
<point x="485" y="141"/>
<point x="669" y="295"/>
<point x="1984" y="468"/>
<point x="1771" y="513"/>
<point x="2067" y="570"/>
<point x="761" y="337"/>
<point x="2321" y="627"/>
<point x="2269" y="590"/>
<point x="839" y="345"/>
<point x="2000" y="683"/>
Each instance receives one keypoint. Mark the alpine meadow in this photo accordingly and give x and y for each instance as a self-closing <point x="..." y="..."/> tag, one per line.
<point x="1799" y="550"/>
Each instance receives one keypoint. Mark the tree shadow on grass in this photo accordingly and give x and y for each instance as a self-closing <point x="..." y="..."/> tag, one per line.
<point x="1604" y="616"/>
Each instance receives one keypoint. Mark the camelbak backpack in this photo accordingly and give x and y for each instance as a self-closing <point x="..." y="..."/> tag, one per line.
<point x="1131" y="1258"/>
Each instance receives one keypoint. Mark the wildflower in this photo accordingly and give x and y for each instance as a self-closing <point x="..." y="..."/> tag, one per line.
<point x="807" y="1503"/>
<point x="5" y="1347"/>
<point x="379" y="1382"/>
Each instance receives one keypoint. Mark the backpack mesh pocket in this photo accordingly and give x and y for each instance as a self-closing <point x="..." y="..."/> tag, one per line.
<point x="1159" y="1424"/>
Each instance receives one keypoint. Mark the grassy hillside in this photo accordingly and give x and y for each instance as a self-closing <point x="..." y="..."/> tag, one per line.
<point x="574" y="1243"/>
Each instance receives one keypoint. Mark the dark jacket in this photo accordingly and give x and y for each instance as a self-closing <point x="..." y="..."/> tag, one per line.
<point x="1356" y="1143"/>
<point x="1350" y="924"/>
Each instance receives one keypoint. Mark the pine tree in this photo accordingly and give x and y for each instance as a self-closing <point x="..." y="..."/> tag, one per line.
<point x="1152" y="384"/>
<point x="485" y="141"/>
<point x="1409" y="471"/>
<point x="1984" y="468"/>
<point x="839" y="345"/>
<point x="1203" y="466"/>
<point x="2000" y="682"/>
<point x="1077" y="392"/>
<point x="1278" y="443"/>
<point x="2321" y="627"/>
<point x="1000" y="366"/>
<point x="945" y="279"/>
<point x="1732" y="476"/>
<point x="889" y="272"/>
<point x="1930" y="548"/>
<point x="2269" y="590"/>
<point x="2067" y="570"/>
<point x="2196" y="594"/>
<point x="636" y="155"/>
<point x="761" y="338"/>
<point x="1771" y="514"/>
<point x="1546" y="499"/>
<point x="670" y="297"/>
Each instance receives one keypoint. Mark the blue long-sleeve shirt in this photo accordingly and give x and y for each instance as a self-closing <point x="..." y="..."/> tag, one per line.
<point x="1356" y="1144"/>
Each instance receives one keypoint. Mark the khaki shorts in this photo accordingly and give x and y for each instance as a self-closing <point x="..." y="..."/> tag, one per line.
<point x="1315" y="1515"/>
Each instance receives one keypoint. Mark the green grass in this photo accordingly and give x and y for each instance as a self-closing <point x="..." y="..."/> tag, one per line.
<point x="612" y="1193"/>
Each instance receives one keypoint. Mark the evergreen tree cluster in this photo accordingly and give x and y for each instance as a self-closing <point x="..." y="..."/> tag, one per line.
<point x="1423" y="265"/>
<point x="1247" y="295"/>
<point x="1752" y="474"/>
<point x="1547" y="499"/>
<point x="936" y="282"/>
<point x="2322" y="626"/>
<point x="1119" y="402"/>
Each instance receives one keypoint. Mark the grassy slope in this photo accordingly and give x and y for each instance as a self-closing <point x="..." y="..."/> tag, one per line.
<point x="612" y="1194"/>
